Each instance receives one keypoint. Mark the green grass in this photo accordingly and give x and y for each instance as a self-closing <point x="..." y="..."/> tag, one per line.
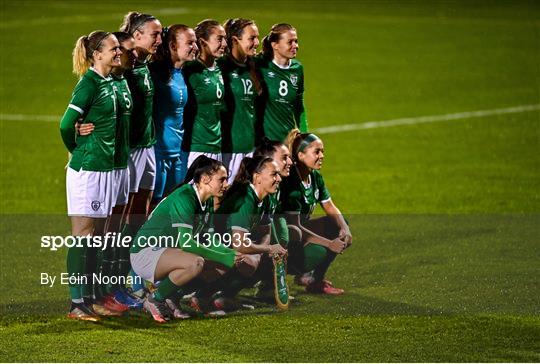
<point x="445" y="216"/>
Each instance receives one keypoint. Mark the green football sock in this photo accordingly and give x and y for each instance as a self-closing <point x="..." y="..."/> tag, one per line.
<point x="321" y="269"/>
<point x="166" y="289"/>
<point x="75" y="267"/>
<point x="314" y="255"/>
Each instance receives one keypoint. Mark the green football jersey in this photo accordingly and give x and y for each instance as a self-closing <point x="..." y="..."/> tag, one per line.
<point x="94" y="100"/>
<point x="283" y="107"/>
<point x="125" y="105"/>
<point x="141" y="132"/>
<point x="297" y="197"/>
<point x="181" y="209"/>
<point x="202" y="115"/>
<point x="238" y="124"/>
<point x="240" y="211"/>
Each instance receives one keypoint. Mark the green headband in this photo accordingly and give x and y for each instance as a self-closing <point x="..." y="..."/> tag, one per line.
<point x="310" y="138"/>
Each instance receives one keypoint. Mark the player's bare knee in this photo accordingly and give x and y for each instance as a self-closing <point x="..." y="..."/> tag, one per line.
<point x="249" y="265"/>
<point x="198" y="265"/>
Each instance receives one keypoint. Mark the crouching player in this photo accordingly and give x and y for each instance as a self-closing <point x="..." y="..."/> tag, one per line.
<point x="167" y="248"/>
<point x="313" y="243"/>
<point x="276" y="225"/>
<point x="240" y="215"/>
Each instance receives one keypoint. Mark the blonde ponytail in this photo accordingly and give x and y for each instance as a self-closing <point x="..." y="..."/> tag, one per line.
<point x="81" y="64"/>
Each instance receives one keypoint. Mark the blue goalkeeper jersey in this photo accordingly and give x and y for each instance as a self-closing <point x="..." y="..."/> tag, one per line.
<point x="169" y="101"/>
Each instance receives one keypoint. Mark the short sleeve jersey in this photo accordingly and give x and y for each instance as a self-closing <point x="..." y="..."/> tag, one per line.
<point x="238" y="124"/>
<point x="170" y="98"/>
<point x="182" y="208"/>
<point x="243" y="211"/>
<point x="142" y="134"/>
<point x="283" y="101"/>
<point x="301" y="198"/>
<point x="123" y="111"/>
<point x="202" y="118"/>
<point x="95" y="100"/>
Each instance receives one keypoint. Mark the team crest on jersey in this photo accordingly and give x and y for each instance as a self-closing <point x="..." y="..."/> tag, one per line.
<point x="316" y="194"/>
<point x="95" y="205"/>
<point x="271" y="74"/>
<point x="294" y="79"/>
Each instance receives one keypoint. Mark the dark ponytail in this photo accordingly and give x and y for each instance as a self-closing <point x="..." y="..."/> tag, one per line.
<point x="162" y="65"/>
<point x="273" y="36"/>
<point x="248" y="167"/>
<point x="200" y="166"/>
<point x="267" y="147"/>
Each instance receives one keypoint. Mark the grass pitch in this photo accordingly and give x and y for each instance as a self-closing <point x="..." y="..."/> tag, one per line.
<point x="445" y="216"/>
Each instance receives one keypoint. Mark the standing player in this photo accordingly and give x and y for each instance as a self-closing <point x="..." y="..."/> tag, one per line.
<point x="313" y="243"/>
<point x="242" y="86"/>
<point x="182" y="218"/>
<point x="179" y="46"/>
<point x="202" y="116"/>
<point x="89" y="179"/>
<point x="146" y="30"/>
<point x="283" y="106"/>
<point x="116" y="259"/>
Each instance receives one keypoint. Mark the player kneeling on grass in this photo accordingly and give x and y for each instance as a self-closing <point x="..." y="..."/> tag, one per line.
<point x="313" y="243"/>
<point x="168" y="248"/>
<point x="239" y="216"/>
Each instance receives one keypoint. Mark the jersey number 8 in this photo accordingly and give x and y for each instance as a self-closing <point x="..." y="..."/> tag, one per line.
<point x="283" y="89"/>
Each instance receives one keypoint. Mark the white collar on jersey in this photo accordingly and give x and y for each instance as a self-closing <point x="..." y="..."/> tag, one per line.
<point x="306" y="185"/>
<point x="256" y="194"/>
<point x="99" y="74"/>
<point x="198" y="197"/>
<point x="288" y="65"/>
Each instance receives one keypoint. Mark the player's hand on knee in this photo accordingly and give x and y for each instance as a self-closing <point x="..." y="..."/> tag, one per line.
<point x="346" y="236"/>
<point x="337" y="245"/>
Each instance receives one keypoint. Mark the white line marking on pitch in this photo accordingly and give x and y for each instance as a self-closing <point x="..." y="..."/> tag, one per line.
<point x="424" y="119"/>
<point x="345" y="127"/>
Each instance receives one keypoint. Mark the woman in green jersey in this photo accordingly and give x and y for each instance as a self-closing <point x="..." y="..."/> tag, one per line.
<point x="313" y="243"/>
<point x="89" y="179"/>
<point x="146" y="31"/>
<point x="239" y="220"/>
<point x="116" y="259"/>
<point x="202" y="115"/>
<point x="242" y="86"/>
<point x="283" y="107"/>
<point x="171" y="247"/>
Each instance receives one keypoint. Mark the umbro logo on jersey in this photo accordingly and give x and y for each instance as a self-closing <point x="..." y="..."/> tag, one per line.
<point x="95" y="205"/>
<point x="234" y="75"/>
<point x="271" y="74"/>
<point x="207" y="81"/>
<point x="294" y="79"/>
